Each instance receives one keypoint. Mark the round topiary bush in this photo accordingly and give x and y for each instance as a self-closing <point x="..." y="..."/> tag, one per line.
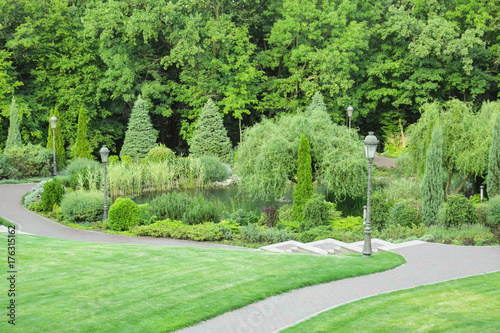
<point x="493" y="213"/>
<point x="315" y="212"/>
<point x="215" y="170"/>
<point x="406" y="213"/>
<point x="123" y="214"/>
<point x="53" y="192"/>
<point x="459" y="210"/>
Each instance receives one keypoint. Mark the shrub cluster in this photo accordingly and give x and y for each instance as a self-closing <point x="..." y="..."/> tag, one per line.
<point x="26" y="162"/>
<point x="215" y="170"/>
<point x="123" y="214"/>
<point x="201" y="211"/>
<point x="176" y="229"/>
<point x="35" y="195"/>
<point x="315" y="212"/>
<point x="159" y="154"/>
<point x="493" y="213"/>
<point x="83" y="206"/>
<point x="170" y="205"/>
<point x="242" y="217"/>
<point x="255" y="234"/>
<point x="406" y="213"/>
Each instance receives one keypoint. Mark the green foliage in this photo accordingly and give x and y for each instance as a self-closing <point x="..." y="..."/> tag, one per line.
<point x="14" y="136"/>
<point x="493" y="177"/>
<point x="34" y="195"/>
<point x="432" y="186"/>
<point x="176" y="229"/>
<point x="60" y="151"/>
<point x="403" y="188"/>
<point x="83" y="174"/>
<point x="52" y="194"/>
<point x="380" y="209"/>
<point x="36" y="206"/>
<point x="406" y="213"/>
<point x="160" y="153"/>
<point x="171" y="205"/>
<point x="316" y="212"/>
<point x="350" y="223"/>
<point x="215" y="170"/>
<point x="242" y="217"/>
<point x="140" y="136"/>
<point x="494" y="211"/>
<point x="201" y="211"/>
<point x="210" y="136"/>
<point x="81" y="148"/>
<point x="459" y="211"/>
<point x="395" y="232"/>
<point x="328" y="231"/>
<point x="123" y="214"/>
<point x="145" y="214"/>
<point x="83" y="206"/>
<point x="29" y="161"/>
<point x="304" y="187"/>
<point x="252" y="233"/>
<point x="4" y="166"/>
<point x="268" y="154"/>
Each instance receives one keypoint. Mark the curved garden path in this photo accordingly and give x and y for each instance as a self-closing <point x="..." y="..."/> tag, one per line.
<point x="427" y="263"/>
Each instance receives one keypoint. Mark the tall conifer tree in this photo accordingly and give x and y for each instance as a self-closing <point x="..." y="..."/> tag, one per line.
<point x="140" y="137"/>
<point x="210" y="135"/>
<point x="304" y="188"/>
<point x="14" y="136"/>
<point x="81" y="148"/>
<point x="432" y="182"/>
<point x="493" y="178"/>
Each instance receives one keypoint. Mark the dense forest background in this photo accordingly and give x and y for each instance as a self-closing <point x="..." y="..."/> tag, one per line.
<point x="253" y="58"/>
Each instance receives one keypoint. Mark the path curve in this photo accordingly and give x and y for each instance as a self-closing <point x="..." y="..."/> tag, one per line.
<point x="12" y="210"/>
<point x="427" y="263"/>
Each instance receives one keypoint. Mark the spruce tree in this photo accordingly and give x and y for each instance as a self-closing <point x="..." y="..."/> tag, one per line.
<point x="493" y="177"/>
<point x="60" y="151"/>
<point x="432" y="182"/>
<point x="14" y="136"/>
<point x="210" y="137"/>
<point x="81" y="148"/>
<point x="140" y="136"/>
<point x="304" y="187"/>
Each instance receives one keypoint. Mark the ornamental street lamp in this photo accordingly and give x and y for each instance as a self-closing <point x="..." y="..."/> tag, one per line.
<point x="104" y="158"/>
<point x="482" y="192"/>
<point x="349" y="114"/>
<point x="371" y="143"/>
<point x="53" y="125"/>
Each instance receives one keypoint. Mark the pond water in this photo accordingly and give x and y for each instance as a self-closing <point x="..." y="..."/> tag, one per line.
<point x="231" y="199"/>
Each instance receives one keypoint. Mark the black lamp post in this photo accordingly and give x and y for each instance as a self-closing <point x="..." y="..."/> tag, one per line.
<point x="349" y="114"/>
<point x="104" y="158"/>
<point x="371" y="143"/>
<point x="53" y="125"/>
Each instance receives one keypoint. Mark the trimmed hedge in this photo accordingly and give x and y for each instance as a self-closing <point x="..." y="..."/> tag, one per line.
<point x="123" y="214"/>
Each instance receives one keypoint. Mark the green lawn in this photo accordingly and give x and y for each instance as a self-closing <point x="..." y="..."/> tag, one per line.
<point x="67" y="286"/>
<point x="465" y="305"/>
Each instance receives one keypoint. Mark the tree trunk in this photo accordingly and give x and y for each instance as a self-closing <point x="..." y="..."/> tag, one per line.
<point x="459" y="188"/>
<point x="447" y="189"/>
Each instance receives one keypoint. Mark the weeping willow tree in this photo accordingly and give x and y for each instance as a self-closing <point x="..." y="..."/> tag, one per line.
<point x="466" y="139"/>
<point x="268" y="154"/>
<point x="493" y="178"/>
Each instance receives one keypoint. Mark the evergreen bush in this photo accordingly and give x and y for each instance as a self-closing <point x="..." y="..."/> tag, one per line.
<point x="170" y="205"/>
<point x="14" y="135"/>
<point x="304" y="188"/>
<point x="210" y="136"/>
<point x="81" y="148"/>
<point x="53" y="192"/>
<point x="145" y="216"/>
<point x="34" y="195"/>
<point x="83" y="206"/>
<point x="215" y="170"/>
<point x="201" y="211"/>
<point x="4" y="166"/>
<point x="493" y="177"/>
<point x="316" y="212"/>
<point x="380" y="209"/>
<point x="160" y="153"/>
<point x="242" y="217"/>
<point x="406" y="213"/>
<point x="140" y="136"/>
<point x="494" y="212"/>
<point x="459" y="210"/>
<point x="123" y="214"/>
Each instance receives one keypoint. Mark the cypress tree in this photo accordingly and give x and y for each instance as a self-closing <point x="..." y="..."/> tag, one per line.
<point x="14" y="136"/>
<point x="140" y="136"/>
<point x="60" y="152"/>
<point x="304" y="188"/>
<point x="493" y="177"/>
<point x="81" y="148"/>
<point x="432" y="182"/>
<point x="210" y="136"/>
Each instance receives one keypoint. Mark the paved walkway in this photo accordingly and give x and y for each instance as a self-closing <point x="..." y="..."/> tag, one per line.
<point x="427" y="263"/>
<point x="28" y="222"/>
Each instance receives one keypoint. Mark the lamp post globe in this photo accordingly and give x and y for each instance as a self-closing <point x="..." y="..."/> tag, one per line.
<point x="104" y="158"/>
<point x="53" y="125"/>
<point x="370" y="143"/>
<point x="350" y="109"/>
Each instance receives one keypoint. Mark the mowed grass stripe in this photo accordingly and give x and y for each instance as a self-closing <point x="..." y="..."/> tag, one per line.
<point x="67" y="286"/>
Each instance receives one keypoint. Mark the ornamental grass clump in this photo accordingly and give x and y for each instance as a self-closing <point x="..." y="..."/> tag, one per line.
<point x="123" y="214"/>
<point x="83" y="206"/>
